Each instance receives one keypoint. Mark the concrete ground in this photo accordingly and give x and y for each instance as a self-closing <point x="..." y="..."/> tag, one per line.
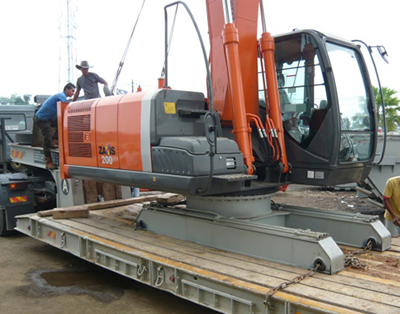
<point x="38" y="278"/>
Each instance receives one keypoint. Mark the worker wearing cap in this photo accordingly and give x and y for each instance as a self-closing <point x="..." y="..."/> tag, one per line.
<point x="88" y="82"/>
<point x="391" y="200"/>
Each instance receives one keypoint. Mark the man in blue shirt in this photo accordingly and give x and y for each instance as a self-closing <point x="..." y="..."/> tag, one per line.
<point x="46" y="118"/>
<point x="88" y="82"/>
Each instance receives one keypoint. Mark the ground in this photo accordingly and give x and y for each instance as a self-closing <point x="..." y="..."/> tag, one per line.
<point x="38" y="278"/>
<point x="345" y="199"/>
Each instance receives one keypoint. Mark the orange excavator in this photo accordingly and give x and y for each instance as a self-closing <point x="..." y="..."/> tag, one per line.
<point x="296" y="108"/>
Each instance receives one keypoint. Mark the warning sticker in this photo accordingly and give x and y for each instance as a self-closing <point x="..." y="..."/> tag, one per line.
<point x="16" y="154"/>
<point x="18" y="199"/>
<point x="169" y="108"/>
<point x="51" y="235"/>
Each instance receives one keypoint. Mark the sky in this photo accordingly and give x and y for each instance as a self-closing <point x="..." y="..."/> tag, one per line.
<point x="32" y="49"/>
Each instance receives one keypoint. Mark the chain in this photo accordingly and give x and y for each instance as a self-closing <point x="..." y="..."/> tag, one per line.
<point x="351" y="260"/>
<point x="285" y="284"/>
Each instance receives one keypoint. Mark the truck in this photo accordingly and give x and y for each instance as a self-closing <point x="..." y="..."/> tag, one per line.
<point x="278" y="111"/>
<point x="15" y="120"/>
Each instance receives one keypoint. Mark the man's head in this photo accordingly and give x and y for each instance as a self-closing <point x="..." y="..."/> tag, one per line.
<point x="84" y="67"/>
<point x="69" y="89"/>
<point x="85" y="71"/>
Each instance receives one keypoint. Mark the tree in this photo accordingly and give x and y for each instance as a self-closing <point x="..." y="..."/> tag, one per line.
<point x="15" y="99"/>
<point x="392" y="107"/>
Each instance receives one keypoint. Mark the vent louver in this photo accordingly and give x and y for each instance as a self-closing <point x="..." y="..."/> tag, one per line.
<point x="76" y="126"/>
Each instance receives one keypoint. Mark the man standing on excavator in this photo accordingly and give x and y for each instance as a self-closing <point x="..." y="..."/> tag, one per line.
<point x="391" y="200"/>
<point x="46" y="118"/>
<point x="88" y="82"/>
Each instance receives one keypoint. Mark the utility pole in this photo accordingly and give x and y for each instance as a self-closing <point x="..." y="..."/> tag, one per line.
<point x="67" y="53"/>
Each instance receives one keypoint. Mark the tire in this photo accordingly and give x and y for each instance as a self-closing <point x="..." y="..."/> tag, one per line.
<point x="16" y="166"/>
<point x="3" y="222"/>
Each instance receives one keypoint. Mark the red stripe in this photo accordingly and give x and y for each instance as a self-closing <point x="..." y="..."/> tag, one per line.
<point x="18" y="199"/>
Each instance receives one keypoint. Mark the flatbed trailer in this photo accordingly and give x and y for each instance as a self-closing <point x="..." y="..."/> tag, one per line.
<point x="223" y="281"/>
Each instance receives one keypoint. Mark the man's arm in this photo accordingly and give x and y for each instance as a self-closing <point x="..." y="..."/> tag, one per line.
<point x="99" y="79"/>
<point x="76" y="95"/>
<point x="389" y="208"/>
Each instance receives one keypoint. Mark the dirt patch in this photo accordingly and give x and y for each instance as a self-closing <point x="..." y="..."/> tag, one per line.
<point x="378" y="265"/>
<point x="385" y="266"/>
<point x="346" y="200"/>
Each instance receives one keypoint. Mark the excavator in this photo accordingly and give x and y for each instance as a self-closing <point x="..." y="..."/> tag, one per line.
<point x="295" y="108"/>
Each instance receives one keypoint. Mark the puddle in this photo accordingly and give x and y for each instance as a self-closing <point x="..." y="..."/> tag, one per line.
<point x="100" y="284"/>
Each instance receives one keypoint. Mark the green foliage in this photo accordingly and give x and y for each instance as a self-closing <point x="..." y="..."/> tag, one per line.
<point x="15" y="99"/>
<point x="392" y="107"/>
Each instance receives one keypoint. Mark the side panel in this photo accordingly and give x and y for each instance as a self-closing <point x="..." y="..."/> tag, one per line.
<point x="134" y="131"/>
<point x="118" y="132"/>
<point x="106" y="122"/>
<point x="145" y="133"/>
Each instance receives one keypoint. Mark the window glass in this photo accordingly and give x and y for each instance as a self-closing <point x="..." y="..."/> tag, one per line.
<point x="16" y="122"/>
<point x="353" y="100"/>
<point x="301" y="86"/>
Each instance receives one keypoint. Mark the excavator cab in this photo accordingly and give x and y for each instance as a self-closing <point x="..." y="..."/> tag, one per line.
<point x="327" y="108"/>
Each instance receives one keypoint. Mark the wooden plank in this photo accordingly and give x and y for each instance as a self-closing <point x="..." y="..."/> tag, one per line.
<point x="108" y="190"/>
<point x="103" y="205"/>
<point x="169" y="198"/>
<point x="45" y="213"/>
<point x="118" y="191"/>
<point x="96" y="206"/>
<point x="123" y="202"/>
<point x="71" y="213"/>
<point x="395" y="248"/>
<point x="376" y="282"/>
<point x="74" y="209"/>
<point x="90" y="191"/>
<point x="248" y="270"/>
<point x="396" y="241"/>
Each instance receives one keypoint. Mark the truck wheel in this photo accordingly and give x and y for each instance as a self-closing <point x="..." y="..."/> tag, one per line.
<point x="3" y="223"/>
<point x="16" y="166"/>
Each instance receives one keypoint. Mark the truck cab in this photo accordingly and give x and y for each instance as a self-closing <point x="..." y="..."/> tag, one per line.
<point x="18" y="123"/>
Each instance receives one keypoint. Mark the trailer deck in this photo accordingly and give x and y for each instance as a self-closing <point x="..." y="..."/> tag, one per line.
<point x="226" y="282"/>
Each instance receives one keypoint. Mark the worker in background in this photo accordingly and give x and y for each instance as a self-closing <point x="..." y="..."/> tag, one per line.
<point x="46" y="118"/>
<point x="88" y="82"/>
<point x="391" y="200"/>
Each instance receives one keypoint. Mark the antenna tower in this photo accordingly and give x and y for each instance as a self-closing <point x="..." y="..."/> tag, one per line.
<point x="67" y="53"/>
